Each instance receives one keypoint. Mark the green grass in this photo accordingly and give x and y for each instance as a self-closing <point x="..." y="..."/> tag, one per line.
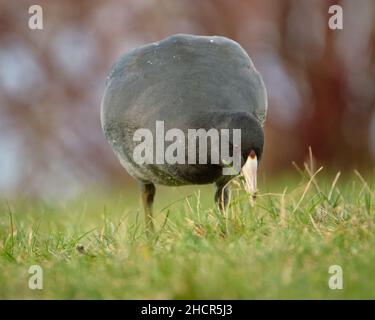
<point x="281" y="247"/>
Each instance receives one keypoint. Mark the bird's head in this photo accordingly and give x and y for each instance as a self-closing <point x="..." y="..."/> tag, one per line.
<point x="252" y="141"/>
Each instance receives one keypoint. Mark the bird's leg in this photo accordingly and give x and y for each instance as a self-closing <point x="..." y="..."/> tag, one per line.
<point x="148" y="193"/>
<point x="222" y="196"/>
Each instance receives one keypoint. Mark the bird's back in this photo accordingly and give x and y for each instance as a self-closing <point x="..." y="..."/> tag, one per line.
<point x="183" y="74"/>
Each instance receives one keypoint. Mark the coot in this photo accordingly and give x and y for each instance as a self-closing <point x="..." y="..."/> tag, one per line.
<point x="185" y="83"/>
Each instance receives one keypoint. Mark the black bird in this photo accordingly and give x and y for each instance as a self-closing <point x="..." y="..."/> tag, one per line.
<point x="189" y="82"/>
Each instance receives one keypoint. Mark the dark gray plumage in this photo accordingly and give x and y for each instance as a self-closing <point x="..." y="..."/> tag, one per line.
<point x="189" y="82"/>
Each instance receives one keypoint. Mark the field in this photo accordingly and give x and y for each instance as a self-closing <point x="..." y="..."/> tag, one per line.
<point x="282" y="246"/>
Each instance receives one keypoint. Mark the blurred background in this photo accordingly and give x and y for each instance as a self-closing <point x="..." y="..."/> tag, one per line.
<point x="320" y="82"/>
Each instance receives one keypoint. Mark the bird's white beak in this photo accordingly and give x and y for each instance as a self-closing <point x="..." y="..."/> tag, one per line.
<point x="249" y="172"/>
